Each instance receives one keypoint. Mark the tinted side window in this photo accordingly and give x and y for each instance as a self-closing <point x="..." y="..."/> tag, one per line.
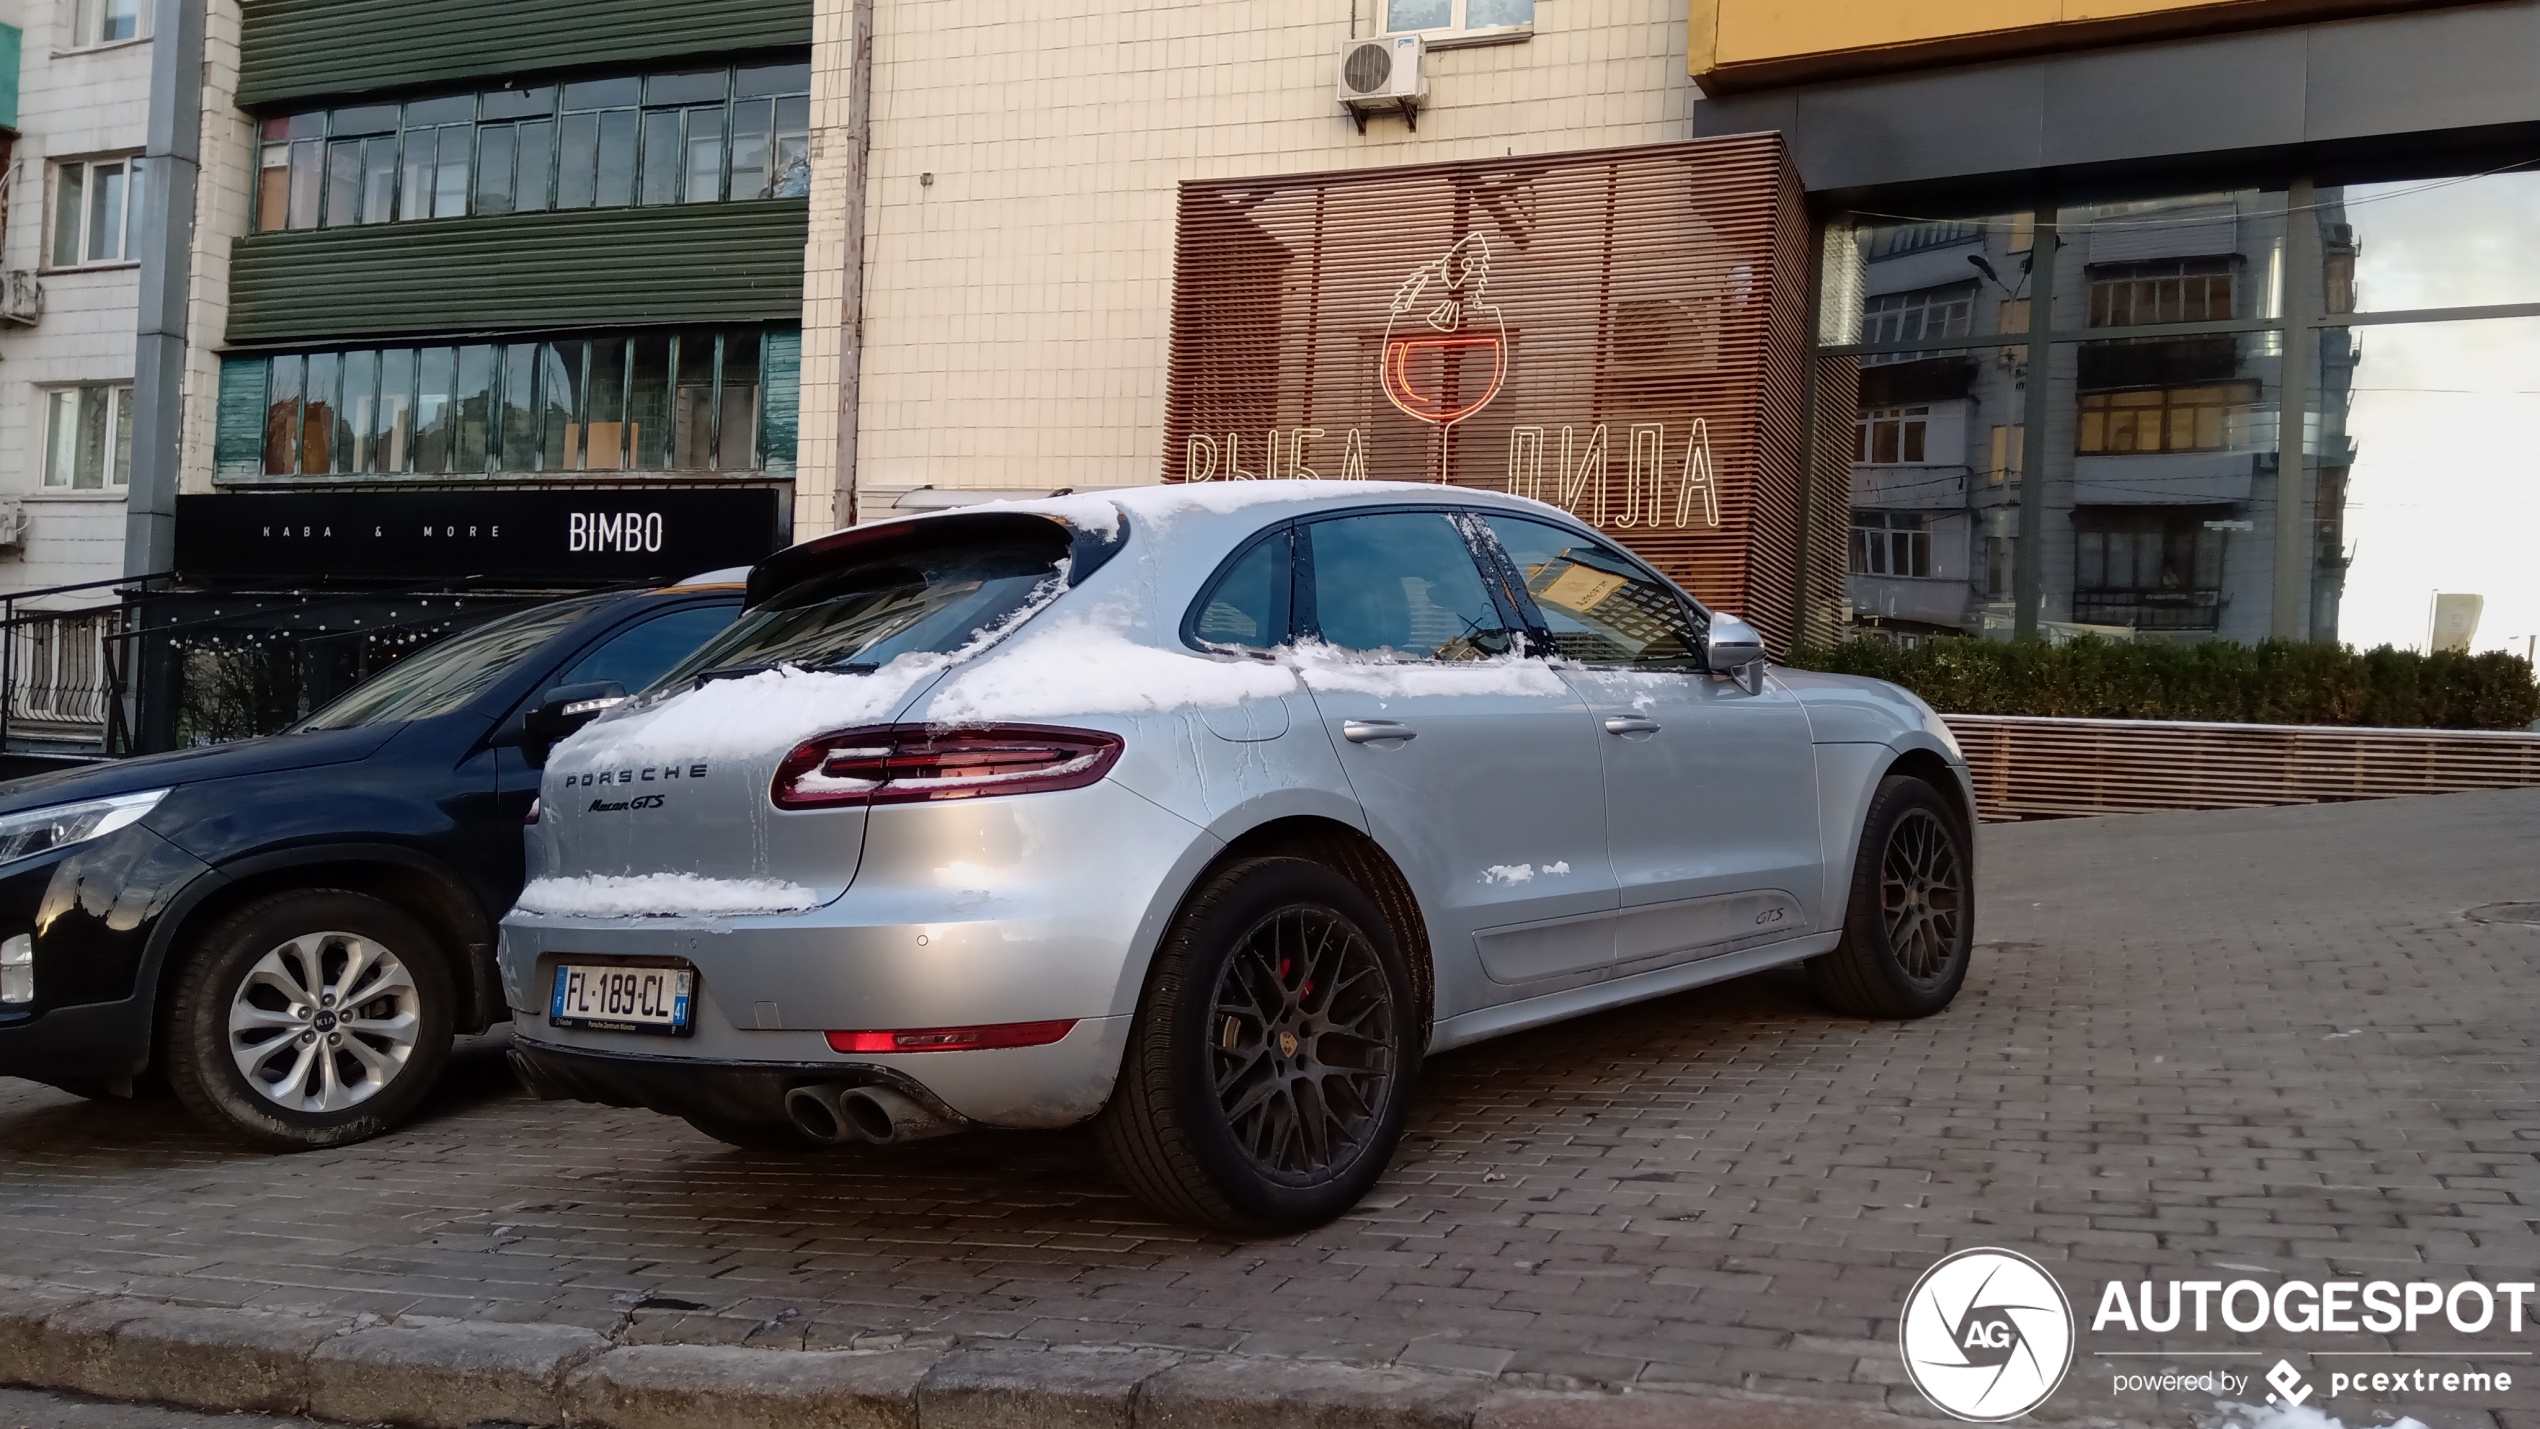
<point x="1248" y="604"/>
<point x="1598" y="605"/>
<point x="444" y="678"/>
<point x="1403" y="581"/>
<point x="636" y="656"/>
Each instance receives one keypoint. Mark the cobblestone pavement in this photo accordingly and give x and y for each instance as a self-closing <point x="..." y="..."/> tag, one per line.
<point x="27" y="1409"/>
<point x="2250" y="1044"/>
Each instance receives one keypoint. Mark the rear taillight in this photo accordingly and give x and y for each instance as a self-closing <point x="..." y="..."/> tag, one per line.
<point x="907" y="764"/>
<point x="953" y="1039"/>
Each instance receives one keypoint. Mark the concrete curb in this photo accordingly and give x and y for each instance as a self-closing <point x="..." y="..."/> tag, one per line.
<point x="454" y="1375"/>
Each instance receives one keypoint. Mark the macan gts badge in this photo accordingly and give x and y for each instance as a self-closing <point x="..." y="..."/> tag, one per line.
<point x="1204" y="814"/>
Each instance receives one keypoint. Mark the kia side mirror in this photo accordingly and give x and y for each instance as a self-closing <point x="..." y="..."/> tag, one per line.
<point x="1731" y="650"/>
<point x="567" y="708"/>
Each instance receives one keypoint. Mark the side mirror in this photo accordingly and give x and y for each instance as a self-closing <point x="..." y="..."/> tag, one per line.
<point x="567" y="708"/>
<point x="1732" y="650"/>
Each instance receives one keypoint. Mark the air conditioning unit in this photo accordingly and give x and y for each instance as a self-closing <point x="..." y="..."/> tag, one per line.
<point x="21" y="297"/>
<point x="1385" y="73"/>
<point x="12" y="526"/>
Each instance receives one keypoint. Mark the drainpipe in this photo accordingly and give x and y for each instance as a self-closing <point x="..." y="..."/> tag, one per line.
<point x="169" y="174"/>
<point x="2291" y="618"/>
<point x="842" y="509"/>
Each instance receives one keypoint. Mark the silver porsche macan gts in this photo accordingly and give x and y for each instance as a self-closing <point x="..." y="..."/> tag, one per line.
<point x="1205" y="813"/>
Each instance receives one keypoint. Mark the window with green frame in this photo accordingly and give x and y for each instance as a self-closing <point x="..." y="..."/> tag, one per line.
<point x="694" y="401"/>
<point x="697" y="136"/>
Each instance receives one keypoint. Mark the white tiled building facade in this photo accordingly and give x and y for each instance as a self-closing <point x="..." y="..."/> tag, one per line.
<point x="84" y="101"/>
<point x="1022" y="187"/>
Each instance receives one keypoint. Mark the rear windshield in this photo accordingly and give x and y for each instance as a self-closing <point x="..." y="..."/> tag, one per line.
<point x="866" y="613"/>
<point x="447" y="676"/>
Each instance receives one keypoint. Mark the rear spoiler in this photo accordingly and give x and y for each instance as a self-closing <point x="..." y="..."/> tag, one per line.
<point x="1087" y="550"/>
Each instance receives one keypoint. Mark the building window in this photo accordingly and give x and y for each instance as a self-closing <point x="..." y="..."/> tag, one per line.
<point x="1922" y="313"/>
<point x="700" y="136"/>
<point x="1892" y="436"/>
<point x="1914" y="237"/>
<point x="2173" y="290"/>
<point x="1458" y="19"/>
<point x="105" y="22"/>
<point x="88" y="437"/>
<point x="1998" y="566"/>
<point x="2153" y="570"/>
<point x="1891" y="543"/>
<point x="2210" y="418"/>
<point x="96" y="212"/>
<point x="692" y="400"/>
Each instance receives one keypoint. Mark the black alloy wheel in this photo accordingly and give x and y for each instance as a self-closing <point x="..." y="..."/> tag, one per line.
<point x="1271" y="1060"/>
<point x="1908" y="930"/>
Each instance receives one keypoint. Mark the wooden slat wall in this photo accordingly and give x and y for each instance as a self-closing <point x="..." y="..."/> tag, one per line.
<point x="1641" y="287"/>
<point x="2027" y="768"/>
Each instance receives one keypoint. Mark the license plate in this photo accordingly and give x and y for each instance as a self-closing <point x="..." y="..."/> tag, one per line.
<point x="622" y="999"/>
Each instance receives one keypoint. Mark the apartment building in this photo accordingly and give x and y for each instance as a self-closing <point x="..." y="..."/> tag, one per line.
<point x="74" y="101"/>
<point x="477" y="289"/>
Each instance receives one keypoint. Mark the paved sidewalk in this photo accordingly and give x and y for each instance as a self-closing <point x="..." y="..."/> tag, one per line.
<point x="2242" y="1044"/>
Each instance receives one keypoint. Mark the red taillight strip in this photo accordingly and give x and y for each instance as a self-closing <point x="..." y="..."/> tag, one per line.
<point x="913" y="763"/>
<point x="953" y="1039"/>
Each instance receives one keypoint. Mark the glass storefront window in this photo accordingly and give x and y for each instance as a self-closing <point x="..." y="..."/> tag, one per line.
<point x="2162" y="510"/>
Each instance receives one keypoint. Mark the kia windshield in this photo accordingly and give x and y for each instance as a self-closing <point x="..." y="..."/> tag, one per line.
<point x="446" y="677"/>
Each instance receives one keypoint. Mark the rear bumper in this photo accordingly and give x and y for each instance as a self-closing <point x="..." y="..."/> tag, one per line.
<point x="1056" y="1085"/>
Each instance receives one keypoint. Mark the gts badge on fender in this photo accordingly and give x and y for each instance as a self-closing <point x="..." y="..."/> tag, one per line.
<point x="619" y="806"/>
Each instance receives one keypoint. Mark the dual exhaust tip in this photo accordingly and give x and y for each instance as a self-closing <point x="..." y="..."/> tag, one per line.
<point x="836" y="1115"/>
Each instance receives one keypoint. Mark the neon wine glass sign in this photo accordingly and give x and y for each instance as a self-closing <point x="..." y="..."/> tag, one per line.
<point x="1427" y="347"/>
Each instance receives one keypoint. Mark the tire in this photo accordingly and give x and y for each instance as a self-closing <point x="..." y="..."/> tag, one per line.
<point x="1314" y="1092"/>
<point x="280" y="963"/>
<point x="1909" y="927"/>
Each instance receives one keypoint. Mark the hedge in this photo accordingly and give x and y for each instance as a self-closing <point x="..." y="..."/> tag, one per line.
<point x="2275" y="682"/>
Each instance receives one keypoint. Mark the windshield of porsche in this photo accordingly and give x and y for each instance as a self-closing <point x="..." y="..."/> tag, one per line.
<point x="865" y="613"/>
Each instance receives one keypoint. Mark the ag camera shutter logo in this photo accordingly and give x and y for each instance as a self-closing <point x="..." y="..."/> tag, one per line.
<point x="1987" y="1335"/>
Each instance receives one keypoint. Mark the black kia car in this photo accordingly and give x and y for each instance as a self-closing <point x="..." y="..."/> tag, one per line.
<point x="289" y="931"/>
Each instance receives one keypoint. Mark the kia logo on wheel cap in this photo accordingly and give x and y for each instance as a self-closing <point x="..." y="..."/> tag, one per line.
<point x="1987" y="1335"/>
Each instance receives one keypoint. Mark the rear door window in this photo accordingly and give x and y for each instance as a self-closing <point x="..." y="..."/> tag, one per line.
<point x="443" y="679"/>
<point x="1403" y="583"/>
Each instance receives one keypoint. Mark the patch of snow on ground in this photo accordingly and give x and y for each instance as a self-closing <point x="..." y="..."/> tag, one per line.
<point x="1089" y="667"/>
<point x="1326" y="668"/>
<point x="662" y="895"/>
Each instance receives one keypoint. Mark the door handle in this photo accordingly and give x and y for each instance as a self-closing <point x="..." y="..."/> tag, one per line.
<point x="1375" y="731"/>
<point x="1631" y="724"/>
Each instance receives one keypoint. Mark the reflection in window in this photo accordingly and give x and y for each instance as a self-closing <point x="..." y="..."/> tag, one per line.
<point x="1891" y="543"/>
<point x="1909" y="317"/>
<point x="2153" y="569"/>
<point x="107" y="22"/>
<point x="1893" y="435"/>
<point x="2171" y="290"/>
<point x="88" y="437"/>
<point x="96" y="212"/>
<point x="1248" y="604"/>
<point x="1446" y="18"/>
<point x="693" y="137"/>
<point x="1403" y="583"/>
<point x="1599" y="607"/>
<point x="2167" y="419"/>
<point x="655" y="401"/>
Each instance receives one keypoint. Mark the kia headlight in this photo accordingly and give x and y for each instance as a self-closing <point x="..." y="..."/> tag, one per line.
<point x="32" y="831"/>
